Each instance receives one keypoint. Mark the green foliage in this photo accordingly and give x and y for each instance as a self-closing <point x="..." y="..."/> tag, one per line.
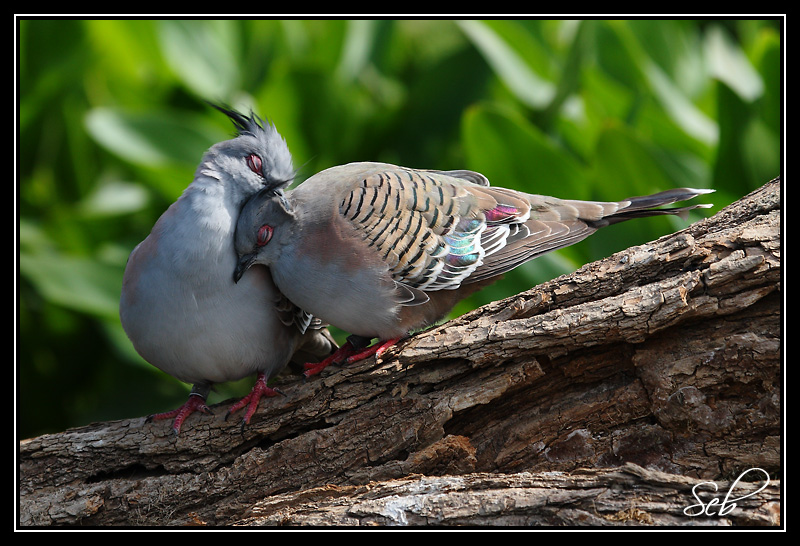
<point x="112" y="124"/>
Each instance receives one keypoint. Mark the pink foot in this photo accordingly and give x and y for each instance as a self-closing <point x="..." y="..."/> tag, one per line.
<point x="341" y="354"/>
<point x="260" y="390"/>
<point x="348" y="354"/>
<point x="196" y="402"/>
<point x="377" y="349"/>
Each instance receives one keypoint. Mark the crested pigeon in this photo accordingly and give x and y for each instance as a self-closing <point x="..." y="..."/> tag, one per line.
<point x="380" y="250"/>
<point x="179" y="306"/>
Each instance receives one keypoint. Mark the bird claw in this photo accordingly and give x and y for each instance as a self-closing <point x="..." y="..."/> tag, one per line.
<point x="260" y="390"/>
<point x="341" y="354"/>
<point x="196" y="402"/>
<point x="377" y="349"/>
<point x="347" y="354"/>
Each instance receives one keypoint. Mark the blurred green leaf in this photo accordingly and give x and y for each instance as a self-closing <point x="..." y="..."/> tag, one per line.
<point x="626" y="166"/>
<point x="77" y="283"/>
<point x="514" y="153"/>
<point x="126" y="57"/>
<point x="729" y="64"/>
<point x="767" y="60"/>
<point x="526" y="84"/>
<point x="203" y="54"/>
<point x="748" y="149"/>
<point x="682" y="111"/>
<point x="619" y="55"/>
<point x="362" y="47"/>
<point x="675" y="48"/>
<point x="114" y="198"/>
<point x="152" y="139"/>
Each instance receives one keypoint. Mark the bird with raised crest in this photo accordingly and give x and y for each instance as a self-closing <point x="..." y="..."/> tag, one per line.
<point x="179" y="306"/>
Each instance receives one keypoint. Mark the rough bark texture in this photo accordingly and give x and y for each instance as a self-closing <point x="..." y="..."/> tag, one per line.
<point x="599" y="398"/>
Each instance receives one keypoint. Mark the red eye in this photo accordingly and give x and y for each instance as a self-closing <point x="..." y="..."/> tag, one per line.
<point x="254" y="162"/>
<point x="264" y="235"/>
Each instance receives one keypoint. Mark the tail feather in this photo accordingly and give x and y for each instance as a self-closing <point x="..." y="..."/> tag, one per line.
<point x="536" y="237"/>
<point x="644" y="206"/>
<point x="665" y="197"/>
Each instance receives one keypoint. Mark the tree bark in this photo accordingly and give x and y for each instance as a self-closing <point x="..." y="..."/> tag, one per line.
<point x="599" y="398"/>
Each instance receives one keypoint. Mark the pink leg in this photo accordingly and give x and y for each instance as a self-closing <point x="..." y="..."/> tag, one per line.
<point x="348" y="354"/>
<point x="260" y="390"/>
<point x="377" y="349"/>
<point x="341" y="354"/>
<point x="196" y="402"/>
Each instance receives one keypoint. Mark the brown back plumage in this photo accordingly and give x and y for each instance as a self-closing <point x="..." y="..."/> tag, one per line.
<point x="437" y="230"/>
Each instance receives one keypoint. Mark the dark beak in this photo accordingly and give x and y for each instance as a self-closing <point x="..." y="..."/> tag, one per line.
<point x="243" y="265"/>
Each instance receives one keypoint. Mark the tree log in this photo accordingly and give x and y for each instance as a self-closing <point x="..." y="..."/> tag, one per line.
<point x="602" y="397"/>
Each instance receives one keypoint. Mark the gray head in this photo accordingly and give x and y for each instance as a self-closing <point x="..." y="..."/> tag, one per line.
<point x="257" y="157"/>
<point x="264" y="214"/>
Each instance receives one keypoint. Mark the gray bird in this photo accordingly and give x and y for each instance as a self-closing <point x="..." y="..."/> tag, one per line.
<point x="380" y="250"/>
<point x="179" y="306"/>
